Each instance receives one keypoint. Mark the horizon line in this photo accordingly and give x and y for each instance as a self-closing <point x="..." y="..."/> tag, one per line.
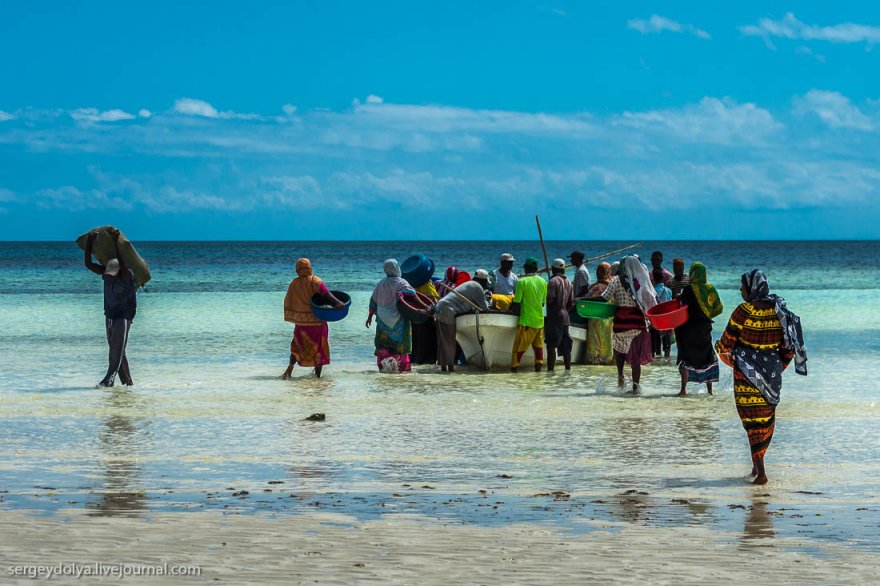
<point x="269" y="241"/>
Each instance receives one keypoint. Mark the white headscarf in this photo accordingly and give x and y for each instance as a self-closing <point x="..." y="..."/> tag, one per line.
<point x="635" y="279"/>
<point x="385" y="293"/>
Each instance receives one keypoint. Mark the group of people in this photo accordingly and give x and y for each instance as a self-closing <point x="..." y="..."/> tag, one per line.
<point x="761" y="339"/>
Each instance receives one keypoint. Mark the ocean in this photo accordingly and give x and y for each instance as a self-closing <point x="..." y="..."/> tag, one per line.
<point x="208" y="419"/>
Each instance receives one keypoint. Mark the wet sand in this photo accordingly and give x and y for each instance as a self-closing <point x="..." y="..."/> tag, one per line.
<point x="329" y="548"/>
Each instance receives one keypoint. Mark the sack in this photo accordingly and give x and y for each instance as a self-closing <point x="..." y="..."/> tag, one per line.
<point x="103" y="249"/>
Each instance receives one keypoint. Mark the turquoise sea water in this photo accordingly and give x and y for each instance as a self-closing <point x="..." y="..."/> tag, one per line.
<point x="208" y="415"/>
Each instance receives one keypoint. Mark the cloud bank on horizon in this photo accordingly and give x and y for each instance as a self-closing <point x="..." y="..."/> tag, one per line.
<point x="803" y="165"/>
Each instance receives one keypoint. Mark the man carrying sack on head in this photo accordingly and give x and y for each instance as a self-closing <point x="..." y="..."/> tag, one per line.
<point x="120" y="307"/>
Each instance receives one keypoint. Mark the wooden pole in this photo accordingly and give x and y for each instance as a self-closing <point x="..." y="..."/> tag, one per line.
<point x="594" y="258"/>
<point x="613" y="252"/>
<point x="543" y="248"/>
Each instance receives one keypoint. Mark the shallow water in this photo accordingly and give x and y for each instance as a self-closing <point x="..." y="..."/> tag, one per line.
<point x="208" y="418"/>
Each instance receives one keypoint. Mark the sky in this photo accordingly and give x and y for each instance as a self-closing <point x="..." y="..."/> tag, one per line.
<point x="408" y="120"/>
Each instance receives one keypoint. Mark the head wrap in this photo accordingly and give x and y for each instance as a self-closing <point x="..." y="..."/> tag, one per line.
<point x="112" y="267"/>
<point x="756" y="285"/>
<point x="615" y="268"/>
<point x="757" y="288"/>
<point x="391" y="267"/>
<point x="303" y="267"/>
<point x="707" y="296"/>
<point x="603" y="273"/>
<point x="385" y="295"/>
<point x="635" y="279"/>
<point x="451" y="274"/>
<point x="462" y="277"/>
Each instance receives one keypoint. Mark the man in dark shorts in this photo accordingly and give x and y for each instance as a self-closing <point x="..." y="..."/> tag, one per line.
<point x="120" y="306"/>
<point x="560" y="300"/>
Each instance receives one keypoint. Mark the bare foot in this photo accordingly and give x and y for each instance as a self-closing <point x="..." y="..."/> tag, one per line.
<point x="760" y="479"/>
<point x="287" y="373"/>
<point x="620" y="381"/>
<point x="682" y="394"/>
<point x="318" y="370"/>
<point x="514" y="369"/>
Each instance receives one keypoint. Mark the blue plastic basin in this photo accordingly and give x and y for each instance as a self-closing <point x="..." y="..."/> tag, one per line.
<point x="417" y="269"/>
<point x="324" y="311"/>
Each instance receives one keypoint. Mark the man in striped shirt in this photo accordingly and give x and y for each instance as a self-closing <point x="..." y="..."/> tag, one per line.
<point x="679" y="280"/>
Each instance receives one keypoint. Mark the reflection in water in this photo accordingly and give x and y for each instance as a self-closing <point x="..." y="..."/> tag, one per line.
<point x="758" y="524"/>
<point x="119" y="445"/>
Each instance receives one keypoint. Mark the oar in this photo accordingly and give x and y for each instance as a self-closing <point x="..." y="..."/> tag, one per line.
<point x="600" y="257"/>
<point x="477" y="311"/>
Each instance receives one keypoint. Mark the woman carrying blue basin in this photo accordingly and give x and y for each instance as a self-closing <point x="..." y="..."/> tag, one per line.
<point x="310" y="346"/>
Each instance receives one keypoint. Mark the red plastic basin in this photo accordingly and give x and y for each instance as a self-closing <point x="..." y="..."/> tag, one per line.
<point x="668" y="315"/>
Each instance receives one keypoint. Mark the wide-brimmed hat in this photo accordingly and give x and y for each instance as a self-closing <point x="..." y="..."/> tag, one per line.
<point x="507" y="257"/>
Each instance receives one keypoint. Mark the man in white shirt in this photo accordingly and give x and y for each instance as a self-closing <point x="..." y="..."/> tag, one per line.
<point x="503" y="278"/>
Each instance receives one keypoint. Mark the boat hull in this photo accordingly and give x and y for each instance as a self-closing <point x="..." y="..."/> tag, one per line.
<point x="499" y="331"/>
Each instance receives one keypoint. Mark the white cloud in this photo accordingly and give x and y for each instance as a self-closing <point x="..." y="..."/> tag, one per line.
<point x="72" y="199"/>
<point x="144" y="113"/>
<point x="193" y="107"/>
<point x="288" y="109"/>
<point x="658" y="24"/>
<point x="93" y="115"/>
<point x="834" y="109"/>
<point x="371" y="99"/>
<point x="445" y="158"/>
<point x="808" y="52"/>
<point x="712" y="120"/>
<point x="6" y="195"/>
<point x="4" y="116"/>
<point x="789" y="27"/>
<point x="443" y="119"/>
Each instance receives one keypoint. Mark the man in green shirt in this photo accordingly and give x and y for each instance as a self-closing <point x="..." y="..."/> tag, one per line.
<point x="530" y="295"/>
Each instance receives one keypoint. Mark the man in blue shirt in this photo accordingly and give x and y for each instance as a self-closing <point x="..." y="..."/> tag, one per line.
<point x="120" y="307"/>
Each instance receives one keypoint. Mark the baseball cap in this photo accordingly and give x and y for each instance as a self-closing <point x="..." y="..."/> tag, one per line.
<point x="531" y="262"/>
<point x="558" y="263"/>
<point x="507" y="256"/>
<point x="112" y="267"/>
<point x="481" y="274"/>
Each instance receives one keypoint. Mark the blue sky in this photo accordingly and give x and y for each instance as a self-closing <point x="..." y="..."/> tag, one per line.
<point x="450" y="120"/>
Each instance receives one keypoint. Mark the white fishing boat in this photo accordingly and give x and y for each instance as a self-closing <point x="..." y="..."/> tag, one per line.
<point x="498" y="331"/>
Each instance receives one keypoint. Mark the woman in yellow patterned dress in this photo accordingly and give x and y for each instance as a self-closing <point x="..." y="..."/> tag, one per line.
<point x="760" y="341"/>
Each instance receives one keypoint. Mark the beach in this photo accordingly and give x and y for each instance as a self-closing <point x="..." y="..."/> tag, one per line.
<point x="464" y="478"/>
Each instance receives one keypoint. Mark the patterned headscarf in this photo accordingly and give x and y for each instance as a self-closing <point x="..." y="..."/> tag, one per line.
<point x="635" y="279"/>
<point x="757" y="288"/>
<point x="303" y="267"/>
<point x="756" y="285"/>
<point x="707" y="296"/>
